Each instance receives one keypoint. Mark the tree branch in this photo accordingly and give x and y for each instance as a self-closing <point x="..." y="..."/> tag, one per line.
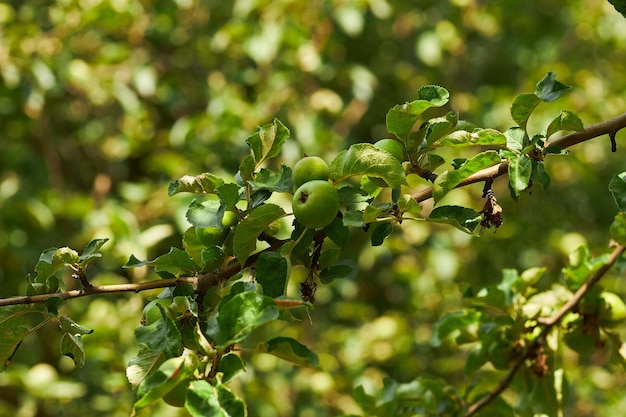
<point x="547" y="324"/>
<point x="609" y="127"/>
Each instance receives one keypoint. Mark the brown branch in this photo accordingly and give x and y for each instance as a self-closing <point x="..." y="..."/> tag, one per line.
<point x="609" y="127"/>
<point x="547" y="324"/>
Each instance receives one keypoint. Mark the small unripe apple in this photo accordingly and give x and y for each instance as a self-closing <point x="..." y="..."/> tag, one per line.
<point x="612" y="310"/>
<point x="309" y="168"/>
<point x="315" y="203"/>
<point x="214" y="236"/>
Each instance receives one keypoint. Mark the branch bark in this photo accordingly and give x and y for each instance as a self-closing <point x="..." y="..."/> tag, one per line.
<point x="547" y="324"/>
<point x="609" y="127"/>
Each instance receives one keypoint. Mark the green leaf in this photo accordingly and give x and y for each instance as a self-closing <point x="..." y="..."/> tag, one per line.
<point x="205" y="214"/>
<point x="431" y="162"/>
<point x="549" y="89"/>
<point x="337" y="232"/>
<point x="402" y="117"/>
<point x="203" y="400"/>
<point x="72" y="347"/>
<point x="333" y="272"/>
<point x="520" y="170"/>
<point x="380" y="232"/>
<point x="463" y="218"/>
<point x="581" y="266"/>
<point x="515" y="138"/>
<point x="440" y="126"/>
<point x="448" y="180"/>
<point x="161" y="336"/>
<point x="267" y="142"/>
<point x="205" y="183"/>
<point x="170" y="373"/>
<point x="272" y="271"/>
<point x="70" y="326"/>
<point x="480" y="137"/>
<point x="279" y="182"/>
<point x="618" y="228"/>
<point x="231" y="366"/>
<point x="290" y="350"/>
<point x="15" y="324"/>
<point x="229" y="195"/>
<point x="539" y="175"/>
<point x="407" y="204"/>
<point x="176" y="262"/>
<point x="459" y="326"/>
<point x="248" y="231"/>
<point x="91" y="250"/>
<point x="620" y="6"/>
<point x="366" y="159"/>
<point x="238" y="316"/>
<point x="567" y="121"/>
<point x="522" y="107"/>
<point x="617" y="187"/>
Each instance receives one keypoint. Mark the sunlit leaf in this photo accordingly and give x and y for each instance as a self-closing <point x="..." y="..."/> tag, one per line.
<point x="273" y="181"/>
<point x="200" y="184"/>
<point x="91" y="250"/>
<point x="176" y="262"/>
<point x="366" y="159"/>
<point x="618" y="228"/>
<point x="522" y="107"/>
<point x="251" y="227"/>
<point x="567" y="121"/>
<point x="402" y="117"/>
<point x="204" y="399"/>
<point x="480" y="137"/>
<point x="448" y="180"/>
<point x="267" y="142"/>
<point x="520" y="171"/>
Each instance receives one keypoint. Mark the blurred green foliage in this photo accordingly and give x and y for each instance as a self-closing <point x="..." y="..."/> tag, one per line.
<point x="103" y="102"/>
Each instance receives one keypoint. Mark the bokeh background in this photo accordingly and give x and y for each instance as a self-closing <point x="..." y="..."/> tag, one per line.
<point x="103" y="102"/>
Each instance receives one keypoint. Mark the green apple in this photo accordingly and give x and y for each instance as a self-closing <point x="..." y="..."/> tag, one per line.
<point x="315" y="203"/>
<point x="394" y="148"/>
<point x="612" y="310"/>
<point x="214" y="236"/>
<point x="151" y="311"/>
<point x="309" y="168"/>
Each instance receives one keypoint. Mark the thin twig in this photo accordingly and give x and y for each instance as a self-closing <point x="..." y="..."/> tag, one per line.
<point x="609" y="127"/>
<point x="547" y="324"/>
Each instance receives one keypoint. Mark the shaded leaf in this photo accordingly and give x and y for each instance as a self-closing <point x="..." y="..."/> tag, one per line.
<point x="290" y="350"/>
<point x="520" y="171"/>
<point x="238" y="316"/>
<point x="205" y="214"/>
<point x="231" y="366"/>
<point x="333" y="272"/>
<point x="280" y="182"/>
<point x="72" y="347"/>
<point x="549" y="89"/>
<point x="272" y="271"/>
<point x="366" y="159"/>
<point x="91" y="250"/>
<point x="248" y="230"/>
<point x="463" y="218"/>
<point x="380" y="232"/>
<point x="448" y="180"/>
<point x="16" y="322"/>
<point x="617" y="187"/>
<point x="620" y="6"/>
